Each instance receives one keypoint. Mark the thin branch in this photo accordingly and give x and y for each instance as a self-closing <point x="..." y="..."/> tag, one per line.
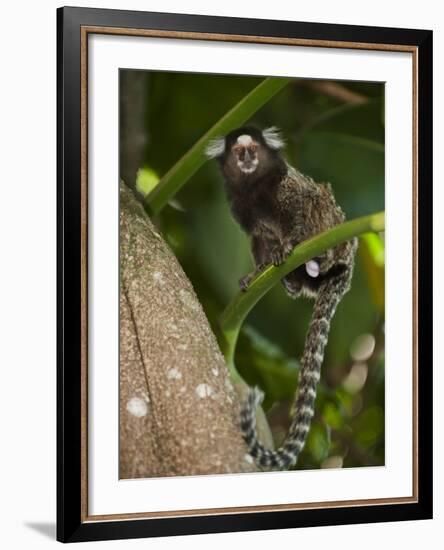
<point x="337" y="91"/>
<point x="232" y="318"/>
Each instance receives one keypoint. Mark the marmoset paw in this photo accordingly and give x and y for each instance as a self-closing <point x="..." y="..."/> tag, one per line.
<point x="288" y="249"/>
<point x="244" y="282"/>
<point x="277" y="256"/>
<point x="257" y="396"/>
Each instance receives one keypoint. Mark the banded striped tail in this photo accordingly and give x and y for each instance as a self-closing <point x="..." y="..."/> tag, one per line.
<point x="328" y="297"/>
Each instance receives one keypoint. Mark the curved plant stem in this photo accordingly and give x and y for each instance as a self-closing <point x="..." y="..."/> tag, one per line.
<point x="232" y="318"/>
<point x="193" y="159"/>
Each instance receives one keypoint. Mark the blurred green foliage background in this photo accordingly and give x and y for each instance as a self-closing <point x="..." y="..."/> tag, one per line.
<point x="334" y="132"/>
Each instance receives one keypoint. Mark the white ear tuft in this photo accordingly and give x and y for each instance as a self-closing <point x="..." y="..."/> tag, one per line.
<point x="273" y="137"/>
<point x="215" y="148"/>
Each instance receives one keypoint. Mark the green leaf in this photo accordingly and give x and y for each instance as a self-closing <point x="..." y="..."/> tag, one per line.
<point x="369" y="426"/>
<point x="372" y="254"/>
<point x="332" y="416"/>
<point x="194" y="158"/>
<point x="318" y="442"/>
<point x="264" y="364"/>
<point x="146" y="180"/>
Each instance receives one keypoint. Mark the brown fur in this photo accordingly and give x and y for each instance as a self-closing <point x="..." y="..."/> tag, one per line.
<point x="278" y="207"/>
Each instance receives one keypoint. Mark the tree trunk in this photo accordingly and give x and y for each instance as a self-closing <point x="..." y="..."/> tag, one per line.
<point x="179" y="412"/>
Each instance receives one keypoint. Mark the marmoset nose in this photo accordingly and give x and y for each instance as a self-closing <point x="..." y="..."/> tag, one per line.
<point x="247" y="156"/>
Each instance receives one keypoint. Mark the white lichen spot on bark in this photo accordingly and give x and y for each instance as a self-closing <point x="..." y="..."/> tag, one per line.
<point x="204" y="390"/>
<point x="158" y="278"/>
<point x="174" y="374"/>
<point x="215" y="371"/>
<point x="188" y="300"/>
<point x="137" y="407"/>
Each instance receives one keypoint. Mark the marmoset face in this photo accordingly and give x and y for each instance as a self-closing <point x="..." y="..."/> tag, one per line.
<point x="245" y="151"/>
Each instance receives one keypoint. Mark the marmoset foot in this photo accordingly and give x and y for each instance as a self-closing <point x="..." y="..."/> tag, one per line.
<point x="278" y="256"/>
<point x="245" y="281"/>
<point x="281" y="252"/>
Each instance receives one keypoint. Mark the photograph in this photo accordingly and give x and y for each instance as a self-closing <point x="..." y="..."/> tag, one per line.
<point x="252" y="274"/>
<point x="244" y="258"/>
<point x="220" y="288"/>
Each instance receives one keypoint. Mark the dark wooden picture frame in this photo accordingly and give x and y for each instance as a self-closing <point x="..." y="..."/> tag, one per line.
<point x="73" y="27"/>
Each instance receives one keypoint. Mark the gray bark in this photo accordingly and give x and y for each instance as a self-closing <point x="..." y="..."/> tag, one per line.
<point x="179" y="412"/>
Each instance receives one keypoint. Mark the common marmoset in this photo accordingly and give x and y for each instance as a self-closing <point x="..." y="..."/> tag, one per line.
<point x="278" y="207"/>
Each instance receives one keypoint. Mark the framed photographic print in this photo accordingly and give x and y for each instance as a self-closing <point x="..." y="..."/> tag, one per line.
<point x="244" y="274"/>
